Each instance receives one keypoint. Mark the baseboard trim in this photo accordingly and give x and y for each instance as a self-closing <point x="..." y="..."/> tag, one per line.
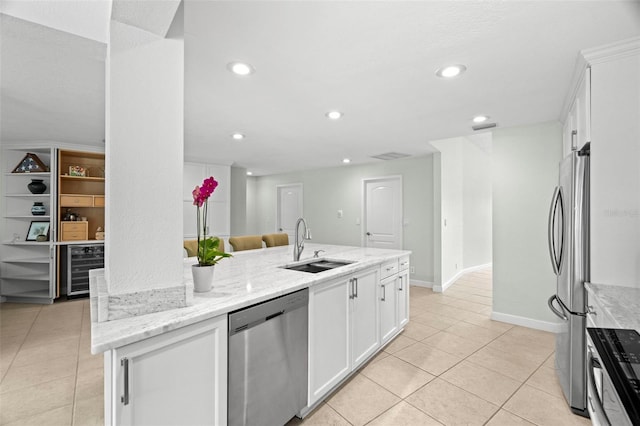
<point x="526" y="322"/>
<point x="420" y="283"/>
<point x="442" y="288"/>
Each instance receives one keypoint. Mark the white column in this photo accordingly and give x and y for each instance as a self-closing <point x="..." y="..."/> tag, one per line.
<point x="144" y="150"/>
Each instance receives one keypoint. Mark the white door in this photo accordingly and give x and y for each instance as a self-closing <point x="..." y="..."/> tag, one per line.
<point x="289" y="208"/>
<point x="383" y="213"/>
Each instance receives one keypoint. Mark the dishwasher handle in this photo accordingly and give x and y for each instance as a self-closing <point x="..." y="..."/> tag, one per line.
<point x="255" y="315"/>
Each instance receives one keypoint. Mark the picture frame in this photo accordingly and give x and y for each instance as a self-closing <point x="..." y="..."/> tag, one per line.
<point x="77" y="171"/>
<point x="38" y="227"/>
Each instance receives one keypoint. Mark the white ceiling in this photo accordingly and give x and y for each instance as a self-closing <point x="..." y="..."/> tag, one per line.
<point x="375" y="61"/>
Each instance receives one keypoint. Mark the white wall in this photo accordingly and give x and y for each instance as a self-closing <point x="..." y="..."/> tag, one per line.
<point x="328" y="190"/>
<point x="476" y="211"/>
<point x="451" y="207"/>
<point x="463" y="201"/>
<point x="238" y="198"/>
<point x="525" y="173"/>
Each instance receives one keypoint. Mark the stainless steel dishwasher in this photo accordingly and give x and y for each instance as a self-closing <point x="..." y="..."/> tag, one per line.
<point x="268" y="361"/>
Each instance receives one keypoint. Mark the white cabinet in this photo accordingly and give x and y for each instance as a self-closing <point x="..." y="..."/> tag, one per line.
<point x="394" y="299"/>
<point x="403" y="299"/>
<point x="364" y="322"/>
<point x="28" y="268"/>
<point x="577" y="127"/>
<point x="388" y="308"/>
<point x="329" y="336"/>
<point x="179" y="377"/>
<point x="615" y="160"/>
<point x="343" y="329"/>
<point x="219" y="211"/>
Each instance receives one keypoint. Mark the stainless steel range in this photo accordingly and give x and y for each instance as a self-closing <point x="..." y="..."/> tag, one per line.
<point x="613" y="367"/>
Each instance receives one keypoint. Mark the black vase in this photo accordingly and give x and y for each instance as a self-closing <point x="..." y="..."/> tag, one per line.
<point x="38" y="209"/>
<point x="37" y="186"/>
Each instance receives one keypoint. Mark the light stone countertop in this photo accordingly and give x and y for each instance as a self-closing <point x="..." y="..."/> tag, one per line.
<point x="247" y="278"/>
<point x="621" y="305"/>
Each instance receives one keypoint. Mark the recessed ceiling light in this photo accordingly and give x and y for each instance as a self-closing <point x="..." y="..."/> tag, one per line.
<point x="480" y="118"/>
<point x="451" y="71"/>
<point x="240" y="68"/>
<point x="346" y="160"/>
<point x="334" y="115"/>
<point x="249" y="173"/>
<point x="237" y="136"/>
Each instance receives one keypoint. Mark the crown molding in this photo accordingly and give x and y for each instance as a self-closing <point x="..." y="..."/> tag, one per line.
<point x="593" y="56"/>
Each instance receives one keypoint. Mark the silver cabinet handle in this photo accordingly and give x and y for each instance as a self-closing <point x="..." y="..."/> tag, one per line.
<point x="400" y="285"/>
<point x="574" y="133"/>
<point x="593" y="396"/>
<point x="404" y="263"/>
<point x="384" y="293"/>
<point x="355" y="280"/>
<point x="124" y="362"/>
<point x="351" y="288"/>
<point x="554" y="310"/>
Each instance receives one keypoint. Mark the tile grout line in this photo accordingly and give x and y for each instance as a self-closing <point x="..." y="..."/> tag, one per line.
<point x="21" y="344"/>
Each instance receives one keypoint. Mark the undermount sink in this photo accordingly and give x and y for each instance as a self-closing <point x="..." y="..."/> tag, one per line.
<point x="315" y="266"/>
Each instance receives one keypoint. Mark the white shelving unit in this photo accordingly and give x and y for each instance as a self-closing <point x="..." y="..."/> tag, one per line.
<point x="28" y="269"/>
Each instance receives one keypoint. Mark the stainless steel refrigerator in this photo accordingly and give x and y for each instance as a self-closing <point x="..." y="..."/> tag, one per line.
<point x="569" y="249"/>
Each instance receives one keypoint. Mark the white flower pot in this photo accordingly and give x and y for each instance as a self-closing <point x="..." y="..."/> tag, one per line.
<point x="202" y="278"/>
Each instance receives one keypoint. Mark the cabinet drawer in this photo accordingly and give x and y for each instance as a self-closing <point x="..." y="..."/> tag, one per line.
<point x="98" y="201"/>
<point x="76" y="200"/>
<point x="404" y="263"/>
<point x="74" y="236"/>
<point x="389" y="268"/>
<point x="74" y="231"/>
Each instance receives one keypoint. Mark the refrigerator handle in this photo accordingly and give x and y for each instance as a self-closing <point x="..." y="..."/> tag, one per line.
<point x="552" y="244"/>
<point x="554" y="310"/>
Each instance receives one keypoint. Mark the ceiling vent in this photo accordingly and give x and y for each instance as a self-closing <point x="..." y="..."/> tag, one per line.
<point x="390" y="156"/>
<point x="484" y="126"/>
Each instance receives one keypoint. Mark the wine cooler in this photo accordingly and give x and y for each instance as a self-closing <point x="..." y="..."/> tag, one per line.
<point x="78" y="260"/>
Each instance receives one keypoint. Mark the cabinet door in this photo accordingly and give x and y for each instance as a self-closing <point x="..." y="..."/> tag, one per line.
<point x="176" y="378"/>
<point x="567" y="134"/>
<point x="364" y="317"/>
<point x="388" y="309"/>
<point x="328" y="337"/>
<point x="582" y="114"/>
<point x="403" y="299"/>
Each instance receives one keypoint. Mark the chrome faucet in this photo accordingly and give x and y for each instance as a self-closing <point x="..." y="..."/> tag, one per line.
<point x="298" y="246"/>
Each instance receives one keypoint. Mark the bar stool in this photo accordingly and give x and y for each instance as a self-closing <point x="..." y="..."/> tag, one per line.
<point x="274" y="240"/>
<point x="246" y="242"/>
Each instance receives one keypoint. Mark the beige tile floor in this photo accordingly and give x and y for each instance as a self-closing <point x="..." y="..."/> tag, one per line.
<point x="49" y="376"/>
<point x="452" y="365"/>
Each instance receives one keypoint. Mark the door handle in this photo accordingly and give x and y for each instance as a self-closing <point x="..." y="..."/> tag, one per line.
<point x="400" y="284"/>
<point x="351" y="288"/>
<point x="280" y="229"/>
<point x="384" y="293"/>
<point x="355" y="282"/>
<point x="368" y="234"/>
<point x="556" y="258"/>
<point x="574" y="133"/>
<point x="554" y="310"/>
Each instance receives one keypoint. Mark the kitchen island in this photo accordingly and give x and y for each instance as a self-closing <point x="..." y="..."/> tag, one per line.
<point x="177" y="359"/>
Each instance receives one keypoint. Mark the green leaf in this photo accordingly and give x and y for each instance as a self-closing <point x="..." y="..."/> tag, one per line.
<point x="208" y="253"/>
